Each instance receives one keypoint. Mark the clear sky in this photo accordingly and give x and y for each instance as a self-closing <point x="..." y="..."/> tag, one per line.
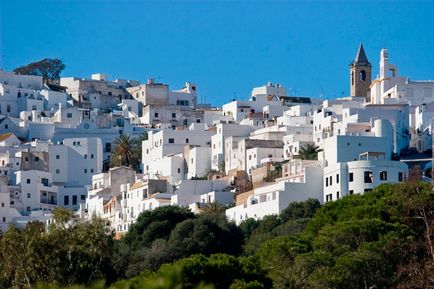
<point x="225" y="47"/>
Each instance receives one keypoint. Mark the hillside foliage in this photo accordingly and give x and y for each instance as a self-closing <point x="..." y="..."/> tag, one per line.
<point x="382" y="239"/>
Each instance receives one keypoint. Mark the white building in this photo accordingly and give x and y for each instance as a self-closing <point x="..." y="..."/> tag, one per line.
<point x="357" y="164"/>
<point x="297" y="185"/>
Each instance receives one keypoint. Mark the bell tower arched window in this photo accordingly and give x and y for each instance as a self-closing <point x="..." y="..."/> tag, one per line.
<point x="362" y="75"/>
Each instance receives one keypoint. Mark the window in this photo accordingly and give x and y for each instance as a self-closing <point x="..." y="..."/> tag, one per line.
<point x="362" y="75"/>
<point x="400" y="176"/>
<point x="187" y="140"/>
<point x="171" y="140"/>
<point x="91" y="170"/>
<point x="57" y="171"/>
<point x="85" y="171"/>
<point x="327" y="181"/>
<point x="179" y="170"/>
<point x="330" y="180"/>
<point x="337" y="178"/>
<point x="4" y="220"/>
<point x="85" y="156"/>
<point x="351" y="192"/>
<point x="91" y="156"/>
<point x="28" y="208"/>
<point x="6" y="126"/>
<point x="383" y="175"/>
<point x="329" y="197"/>
<point x="351" y="177"/>
<point x="156" y="114"/>
<point x="28" y="181"/>
<point x="66" y="200"/>
<point x="108" y="147"/>
<point x="173" y="115"/>
<point x="34" y="107"/>
<point x="198" y="120"/>
<point x="36" y="159"/>
<point x="26" y="159"/>
<point x="57" y="157"/>
<point x="83" y="197"/>
<point x="74" y="200"/>
<point x="29" y="195"/>
<point x="69" y="115"/>
<point x="3" y="205"/>
<point x="44" y="181"/>
<point x="368" y="177"/>
<point x="8" y="108"/>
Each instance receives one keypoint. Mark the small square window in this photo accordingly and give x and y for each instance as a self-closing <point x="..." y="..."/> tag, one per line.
<point x="369" y="177"/>
<point x="171" y="140"/>
<point x="57" y="171"/>
<point x="85" y="156"/>
<point x="91" y="156"/>
<point x="28" y="181"/>
<point x="28" y="196"/>
<point x="57" y="157"/>
<point x="351" y="177"/>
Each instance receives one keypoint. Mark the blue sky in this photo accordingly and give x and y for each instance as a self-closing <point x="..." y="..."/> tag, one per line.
<point x="226" y="47"/>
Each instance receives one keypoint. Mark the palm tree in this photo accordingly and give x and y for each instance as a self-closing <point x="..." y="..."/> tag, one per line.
<point x="126" y="152"/>
<point x="309" y="152"/>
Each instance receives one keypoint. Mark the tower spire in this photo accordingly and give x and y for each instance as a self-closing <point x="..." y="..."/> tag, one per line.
<point x="361" y="55"/>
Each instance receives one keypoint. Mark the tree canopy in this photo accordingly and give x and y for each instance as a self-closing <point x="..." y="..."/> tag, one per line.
<point x="382" y="239"/>
<point x="49" y="69"/>
<point x="309" y="152"/>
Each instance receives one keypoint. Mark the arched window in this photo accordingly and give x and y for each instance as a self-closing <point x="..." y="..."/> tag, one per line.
<point x="352" y="77"/>
<point x="362" y="75"/>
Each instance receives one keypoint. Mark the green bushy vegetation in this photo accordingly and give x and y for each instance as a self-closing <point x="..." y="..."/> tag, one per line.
<point x="382" y="239"/>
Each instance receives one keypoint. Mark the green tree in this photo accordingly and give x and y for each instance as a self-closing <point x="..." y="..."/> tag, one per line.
<point x="49" y="69"/>
<point x="309" y="152"/>
<point x="300" y="210"/>
<point x="127" y="152"/>
<point x="155" y="224"/>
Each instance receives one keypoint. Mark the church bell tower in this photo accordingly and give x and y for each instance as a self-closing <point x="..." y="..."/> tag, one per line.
<point x="360" y="75"/>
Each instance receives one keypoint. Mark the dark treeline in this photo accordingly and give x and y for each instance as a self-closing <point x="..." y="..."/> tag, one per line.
<point x="382" y="239"/>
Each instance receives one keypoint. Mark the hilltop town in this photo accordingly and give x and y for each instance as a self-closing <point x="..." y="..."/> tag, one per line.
<point x="117" y="148"/>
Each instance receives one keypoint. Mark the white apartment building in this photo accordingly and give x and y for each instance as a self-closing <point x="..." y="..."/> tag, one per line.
<point x="218" y="148"/>
<point x="297" y="185"/>
<point x="357" y="164"/>
<point x="163" y="152"/>
<point x="97" y="92"/>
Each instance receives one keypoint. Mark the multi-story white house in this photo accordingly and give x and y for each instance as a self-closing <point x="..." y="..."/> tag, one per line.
<point x="357" y="164"/>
